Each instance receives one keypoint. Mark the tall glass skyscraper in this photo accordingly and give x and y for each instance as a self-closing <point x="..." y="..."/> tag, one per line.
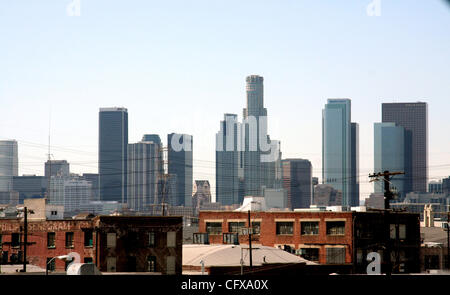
<point x="229" y="168"/>
<point x="113" y="142"/>
<point x="389" y="154"/>
<point x="145" y="168"/>
<point x="180" y="164"/>
<point x="414" y="118"/>
<point x="9" y="166"/>
<point x="297" y="181"/>
<point x="339" y="150"/>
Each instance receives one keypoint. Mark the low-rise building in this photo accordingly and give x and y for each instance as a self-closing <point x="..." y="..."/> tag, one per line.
<point x="325" y="237"/>
<point x="113" y="243"/>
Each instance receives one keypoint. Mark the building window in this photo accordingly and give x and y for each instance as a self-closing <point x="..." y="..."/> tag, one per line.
<point x="0" y="241"/>
<point x="110" y="240"/>
<point x="214" y="228"/>
<point x="88" y="238"/>
<point x="171" y="239"/>
<point x="15" y="240"/>
<point x="235" y="227"/>
<point x="151" y="263"/>
<point x="88" y="260"/>
<point x="51" y="240"/>
<point x="170" y="265"/>
<point x="309" y="228"/>
<point x="151" y="239"/>
<point x="311" y="254"/>
<point x="69" y="240"/>
<point x="335" y="228"/>
<point x="231" y="238"/>
<point x="200" y="238"/>
<point x="285" y="228"/>
<point x="256" y="226"/>
<point x="431" y="262"/>
<point x="51" y="265"/>
<point x="402" y="231"/>
<point x="335" y="255"/>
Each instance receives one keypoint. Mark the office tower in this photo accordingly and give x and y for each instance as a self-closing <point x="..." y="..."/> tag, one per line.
<point x="57" y="168"/>
<point x="69" y="192"/>
<point x="326" y="195"/>
<point x="30" y="186"/>
<point x="435" y="187"/>
<point x="180" y="164"/>
<point x="153" y="138"/>
<point x="113" y="142"/>
<point x="144" y="172"/>
<point x="336" y="147"/>
<point x="354" y="153"/>
<point x="9" y="166"/>
<point x="389" y="155"/>
<point x="414" y="118"/>
<point x="93" y="178"/>
<point x="297" y="181"/>
<point x="446" y="186"/>
<point x="201" y="194"/>
<point x="254" y="118"/>
<point x="229" y="169"/>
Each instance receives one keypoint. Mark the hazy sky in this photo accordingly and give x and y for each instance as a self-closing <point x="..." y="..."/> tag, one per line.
<point x="179" y="65"/>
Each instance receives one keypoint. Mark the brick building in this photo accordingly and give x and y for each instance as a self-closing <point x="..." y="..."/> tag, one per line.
<point x="113" y="243"/>
<point x="322" y="236"/>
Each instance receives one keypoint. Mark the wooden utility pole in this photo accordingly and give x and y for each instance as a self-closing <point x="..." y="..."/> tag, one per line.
<point x="388" y="196"/>
<point x="250" y="240"/>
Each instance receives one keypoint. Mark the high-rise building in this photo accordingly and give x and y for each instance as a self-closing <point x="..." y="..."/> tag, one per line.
<point x="9" y="166"/>
<point x="326" y="195"/>
<point x="446" y="186"/>
<point x="435" y="187"/>
<point x="201" y="194"/>
<point x="57" y="168"/>
<point x="30" y="186"/>
<point x="354" y="153"/>
<point x="69" y="192"/>
<point x="179" y="148"/>
<point x="389" y="155"/>
<point x="144" y="171"/>
<point x="113" y="142"/>
<point x="297" y="182"/>
<point x="414" y="118"/>
<point x="93" y="178"/>
<point x="254" y="118"/>
<point x="337" y="147"/>
<point x="229" y="166"/>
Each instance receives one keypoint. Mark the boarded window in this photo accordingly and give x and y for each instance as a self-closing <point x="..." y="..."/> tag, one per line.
<point x="151" y="239"/>
<point x="402" y="231"/>
<point x="170" y="265"/>
<point x="171" y="239"/>
<point x="111" y="240"/>
<point x="110" y="264"/>
<point x="335" y="255"/>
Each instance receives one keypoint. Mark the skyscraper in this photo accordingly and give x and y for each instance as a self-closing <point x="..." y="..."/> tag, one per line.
<point x="389" y="154"/>
<point x="414" y="118"/>
<point x="112" y="166"/>
<point x="180" y="164"/>
<point x="354" y="178"/>
<point x="229" y="168"/>
<point x="144" y="172"/>
<point x="340" y="150"/>
<point x="57" y="168"/>
<point x="297" y="181"/>
<point x="9" y="166"/>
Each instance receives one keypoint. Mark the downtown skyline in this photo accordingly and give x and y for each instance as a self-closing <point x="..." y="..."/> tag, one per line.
<point x="190" y="88"/>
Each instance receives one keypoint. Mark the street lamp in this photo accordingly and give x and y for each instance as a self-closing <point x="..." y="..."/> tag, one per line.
<point x="62" y="257"/>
